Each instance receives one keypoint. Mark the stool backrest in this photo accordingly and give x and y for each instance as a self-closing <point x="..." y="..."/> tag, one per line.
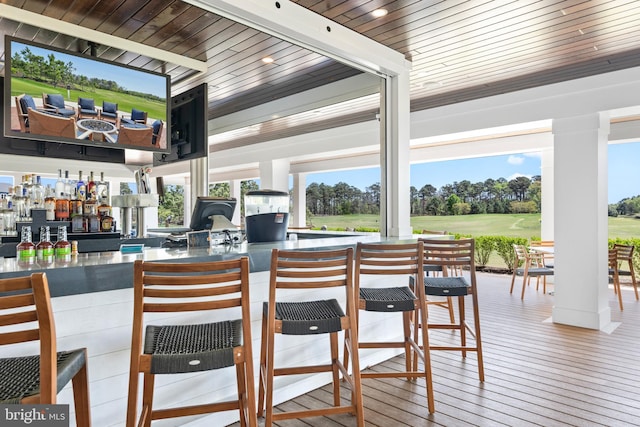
<point x="296" y="269"/>
<point x="26" y="315"/>
<point x="179" y="287"/>
<point x="390" y="259"/>
<point x="449" y="253"/>
<point x="452" y="256"/>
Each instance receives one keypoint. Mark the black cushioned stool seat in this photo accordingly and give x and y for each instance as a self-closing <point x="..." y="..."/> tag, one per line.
<point x="388" y="299"/>
<point x="306" y="318"/>
<point x="178" y="349"/>
<point x="20" y="376"/>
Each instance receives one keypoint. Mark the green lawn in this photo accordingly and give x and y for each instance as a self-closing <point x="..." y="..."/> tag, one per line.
<point x="511" y="225"/>
<point x="156" y="110"/>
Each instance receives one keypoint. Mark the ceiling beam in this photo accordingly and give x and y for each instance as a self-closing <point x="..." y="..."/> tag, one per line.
<point x="41" y="21"/>
<point x="302" y="27"/>
<point x="343" y="90"/>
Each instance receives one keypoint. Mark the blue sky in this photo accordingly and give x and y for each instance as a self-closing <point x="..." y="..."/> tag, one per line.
<point x="126" y="77"/>
<point x="623" y="178"/>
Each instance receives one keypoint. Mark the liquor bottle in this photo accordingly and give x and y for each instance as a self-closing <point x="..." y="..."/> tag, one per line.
<point x="20" y="204"/>
<point x="44" y="248"/>
<point x="37" y="192"/>
<point x="68" y="188"/>
<point x="106" y="223"/>
<point x="62" y="248"/>
<point x="91" y="215"/>
<point x="50" y="204"/>
<point x="62" y="208"/>
<point x="92" y="190"/>
<point x="26" y="250"/>
<point x="103" y="190"/>
<point x="81" y="188"/>
<point x="59" y="188"/>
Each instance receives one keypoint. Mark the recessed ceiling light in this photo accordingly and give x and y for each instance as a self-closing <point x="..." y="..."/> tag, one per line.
<point x="379" y="13"/>
<point x="581" y="32"/>
<point x="267" y="60"/>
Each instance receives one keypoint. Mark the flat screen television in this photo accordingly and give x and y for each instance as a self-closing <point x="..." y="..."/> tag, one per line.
<point x="189" y="127"/>
<point x="66" y="97"/>
<point x="205" y="210"/>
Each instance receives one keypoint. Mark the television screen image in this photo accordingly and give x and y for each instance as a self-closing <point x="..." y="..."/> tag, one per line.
<point x="61" y="96"/>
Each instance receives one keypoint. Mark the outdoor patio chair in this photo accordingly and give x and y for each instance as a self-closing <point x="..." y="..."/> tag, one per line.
<point x="55" y="102"/>
<point x="625" y="255"/>
<point x="547" y="258"/>
<point x="109" y="112"/>
<point x="52" y="125"/>
<point x="87" y="109"/>
<point x="219" y="290"/>
<point x="26" y="315"/>
<point x="157" y="132"/>
<point x="614" y="275"/>
<point x="136" y="116"/>
<point x="532" y="266"/>
<point x="138" y="136"/>
<point x="23" y="103"/>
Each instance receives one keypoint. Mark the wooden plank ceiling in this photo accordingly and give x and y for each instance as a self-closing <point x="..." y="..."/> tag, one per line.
<point x="460" y="50"/>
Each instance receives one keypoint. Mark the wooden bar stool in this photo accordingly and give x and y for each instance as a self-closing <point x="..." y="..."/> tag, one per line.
<point x="382" y="267"/>
<point x="291" y="270"/>
<point x="26" y="315"/>
<point x="455" y="255"/>
<point x="221" y="287"/>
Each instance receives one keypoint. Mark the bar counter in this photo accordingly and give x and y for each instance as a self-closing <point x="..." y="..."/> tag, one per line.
<point x="110" y="270"/>
<point x="93" y="308"/>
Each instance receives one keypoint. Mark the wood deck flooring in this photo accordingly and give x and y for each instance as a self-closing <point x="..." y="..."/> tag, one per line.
<point x="537" y="373"/>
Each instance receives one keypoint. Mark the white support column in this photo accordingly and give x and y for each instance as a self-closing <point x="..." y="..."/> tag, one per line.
<point x="274" y="175"/>
<point x="394" y="153"/>
<point x="235" y="187"/>
<point x="151" y="214"/>
<point x="299" y="200"/>
<point x="547" y="190"/>
<point x="199" y="171"/>
<point x="114" y="189"/>
<point x="581" y="268"/>
<point x="187" y="201"/>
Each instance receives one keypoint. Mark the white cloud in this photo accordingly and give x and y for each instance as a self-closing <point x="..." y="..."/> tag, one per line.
<point x="515" y="160"/>
<point x="534" y="154"/>
<point x="516" y="175"/>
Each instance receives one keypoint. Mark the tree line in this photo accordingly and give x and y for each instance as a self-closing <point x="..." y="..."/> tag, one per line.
<point x="518" y="195"/>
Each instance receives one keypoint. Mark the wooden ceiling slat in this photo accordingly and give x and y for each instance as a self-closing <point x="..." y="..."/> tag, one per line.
<point x="57" y="9"/>
<point x="527" y="53"/>
<point x="79" y="10"/>
<point x="120" y="16"/>
<point x="102" y="10"/>
<point x="173" y="32"/>
<point x="537" y="29"/>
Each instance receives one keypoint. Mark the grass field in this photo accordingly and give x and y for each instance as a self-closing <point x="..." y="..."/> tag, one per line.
<point x="511" y="225"/>
<point x="155" y="110"/>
